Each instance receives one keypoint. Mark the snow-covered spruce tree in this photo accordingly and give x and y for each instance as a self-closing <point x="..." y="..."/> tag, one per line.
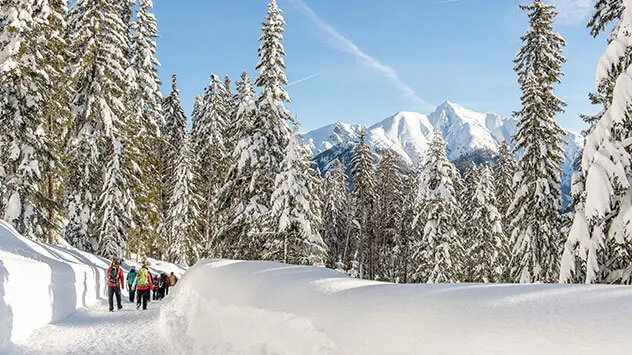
<point x="241" y="204"/>
<point x="97" y="147"/>
<point x="487" y="249"/>
<point x="410" y="209"/>
<point x="298" y="240"/>
<point x="504" y="172"/>
<point x="535" y="210"/>
<point x="336" y="214"/>
<point x="271" y="131"/>
<point x="33" y="113"/>
<point x="315" y="186"/>
<point x="598" y="246"/>
<point x="388" y="216"/>
<point x="211" y="155"/>
<point x="438" y="250"/>
<point x="361" y="258"/>
<point x="183" y="211"/>
<point x="144" y="157"/>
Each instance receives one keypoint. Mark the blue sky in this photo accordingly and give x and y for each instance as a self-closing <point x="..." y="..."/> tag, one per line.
<point x="359" y="61"/>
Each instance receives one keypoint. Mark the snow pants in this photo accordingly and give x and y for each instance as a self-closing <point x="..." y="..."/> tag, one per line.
<point x="114" y="290"/>
<point x="132" y="292"/>
<point x="142" y="296"/>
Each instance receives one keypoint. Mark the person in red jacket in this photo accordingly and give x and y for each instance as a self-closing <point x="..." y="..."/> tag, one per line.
<point x="115" y="284"/>
<point x="143" y="286"/>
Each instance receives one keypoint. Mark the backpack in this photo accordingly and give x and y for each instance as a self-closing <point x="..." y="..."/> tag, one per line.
<point x="113" y="276"/>
<point x="142" y="277"/>
<point x="130" y="277"/>
<point x="172" y="280"/>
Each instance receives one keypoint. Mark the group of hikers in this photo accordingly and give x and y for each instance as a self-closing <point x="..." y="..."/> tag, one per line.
<point x="139" y="285"/>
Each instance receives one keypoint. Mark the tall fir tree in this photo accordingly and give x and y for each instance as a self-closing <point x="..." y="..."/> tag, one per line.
<point x="597" y="249"/>
<point x="147" y="117"/>
<point x="336" y="214"/>
<point x="298" y="239"/>
<point x="411" y="207"/>
<point x="211" y="155"/>
<point x="98" y="140"/>
<point x="33" y="112"/>
<point x="438" y="249"/>
<point x="487" y="249"/>
<point x="361" y="259"/>
<point x="504" y="172"/>
<point x="535" y="209"/>
<point x="388" y="216"/>
<point x="240" y="199"/>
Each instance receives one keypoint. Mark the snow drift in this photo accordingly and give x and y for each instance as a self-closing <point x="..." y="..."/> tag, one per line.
<point x="235" y="307"/>
<point x="40" y="284"/>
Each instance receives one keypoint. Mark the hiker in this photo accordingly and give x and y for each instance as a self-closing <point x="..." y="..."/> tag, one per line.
<point x="173" y="279"/>
<point x="143" y="286"/>
<point x="162" y="285"/>
<point x="155" y="293"/>
<point x="131" y="277"/>
<point x="115" y="284"/>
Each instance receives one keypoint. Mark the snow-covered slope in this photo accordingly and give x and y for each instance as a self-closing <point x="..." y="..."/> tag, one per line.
<point x="42" y="283"/>
<point x="234" y="307"/>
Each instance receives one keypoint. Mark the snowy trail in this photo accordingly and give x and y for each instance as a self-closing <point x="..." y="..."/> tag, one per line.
<point x="97" y="331"/>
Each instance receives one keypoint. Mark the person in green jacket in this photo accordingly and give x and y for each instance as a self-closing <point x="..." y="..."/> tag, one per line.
<point x="131" y="286"/>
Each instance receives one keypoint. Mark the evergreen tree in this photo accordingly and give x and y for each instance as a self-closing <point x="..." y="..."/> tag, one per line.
<point x="336" y="216"/>
<point x="240" y="199"/>
<point x="504" y="172"/>
<point x="144" y="158"/>
<point x="487" y="249"/>
<point x="298" y="240"/>
<point x="388" y="216"/>
<point x="363" y="195"/>
<point x="535" y="209"/>
<point x="598" y="246"/>
<point x="411" y="207"/>
<point x="99" y="139"/>
<point x="211" y="155"/>
<point x="33" y="111"/>
<point x="438" y="250"/>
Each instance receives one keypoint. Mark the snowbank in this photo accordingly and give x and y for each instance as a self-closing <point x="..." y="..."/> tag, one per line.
<point x="234" y="307"/>
<point x="40" y="284"/>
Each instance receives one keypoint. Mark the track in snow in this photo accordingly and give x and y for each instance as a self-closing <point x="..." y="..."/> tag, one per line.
<point x="97" y="331"/>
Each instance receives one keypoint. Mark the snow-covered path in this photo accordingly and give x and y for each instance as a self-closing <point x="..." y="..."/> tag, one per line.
<point x="97" y="331"/>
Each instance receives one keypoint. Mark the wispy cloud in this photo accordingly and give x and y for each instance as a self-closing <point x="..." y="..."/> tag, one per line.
<point x="572" y="12"/>
<point x="345" y="44"/>
<point x="303" y="79"/>
<point x="445" y="2"/>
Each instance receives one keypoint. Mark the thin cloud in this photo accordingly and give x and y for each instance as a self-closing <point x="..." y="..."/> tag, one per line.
<point x="445" y="2"/>
<point x="572" y="12"/>
<point x="347" y="46"/>
<point x="303" y="79"/>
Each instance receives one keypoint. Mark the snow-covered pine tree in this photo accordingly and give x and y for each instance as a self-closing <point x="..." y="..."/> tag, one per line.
<point x="211" y="156"/>
<point x="240" y="199"/>
<point x="438" y="249"/>
<point x="504" y="172"/>
<point x="336" y="214"/>
<point x="598" y="246"/>
<point x="271" y="132"/>
<point x="298" y="239"/>
<point x="410" y="209"/>
<point x="33" y="113"/>
<point x="98" y="141"/>
<point x="535" y="210"/>
<point x="487" y="250"/>
<point x="144" y="158"/>
<point x="363" y="197"/>
<point x="183" y="211"/>
<point x="315" y="187"/>
<point x="388" y="217"/>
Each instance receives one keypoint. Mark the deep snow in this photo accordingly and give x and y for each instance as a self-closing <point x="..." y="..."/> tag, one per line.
<point x="42" y="284"/>
<point x="233" y="307"/>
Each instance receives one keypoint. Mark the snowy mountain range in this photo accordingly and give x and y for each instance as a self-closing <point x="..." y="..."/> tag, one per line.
<point x="469" y="135"/>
